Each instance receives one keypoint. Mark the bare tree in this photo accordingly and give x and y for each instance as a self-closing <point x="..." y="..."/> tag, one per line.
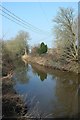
<point x="66" y="34"/>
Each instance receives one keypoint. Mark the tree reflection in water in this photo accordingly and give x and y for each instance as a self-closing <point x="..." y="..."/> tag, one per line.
<point x="62" y="88"/>
<point x="40" y="73"/>
<point x="21" y="71"/>
<point x="66" y="92"/>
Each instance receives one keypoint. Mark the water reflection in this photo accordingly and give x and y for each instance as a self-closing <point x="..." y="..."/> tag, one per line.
<point x="66" y="93"/>
<point x="21" y="73"/>
<point x="40" y="73"/>
<point x="57" y="95"/>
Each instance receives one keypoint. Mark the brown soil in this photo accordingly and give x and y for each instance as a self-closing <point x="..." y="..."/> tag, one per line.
<point x="46" y="61"/>
<point x="12" y="106"/>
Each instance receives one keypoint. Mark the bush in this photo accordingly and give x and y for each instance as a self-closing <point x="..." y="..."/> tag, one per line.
<point x="43" y="48"/>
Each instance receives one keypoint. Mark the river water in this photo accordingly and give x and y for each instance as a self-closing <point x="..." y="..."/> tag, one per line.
<point x="49" y="92"/>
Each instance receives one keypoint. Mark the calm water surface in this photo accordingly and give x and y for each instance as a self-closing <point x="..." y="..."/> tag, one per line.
<point x="51" y="92"/>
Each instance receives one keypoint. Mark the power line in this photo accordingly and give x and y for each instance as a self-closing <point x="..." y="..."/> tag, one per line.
<point x="22" y="25"/>
<point x="21" y="20"/>
<point x="17" y="19"/>
<point x="19" y="23"/>
<point x="11" y="20"/>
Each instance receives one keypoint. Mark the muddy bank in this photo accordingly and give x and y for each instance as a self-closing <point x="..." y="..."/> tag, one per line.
<point x="12" y="105"/>
<point x="49" y="63"/>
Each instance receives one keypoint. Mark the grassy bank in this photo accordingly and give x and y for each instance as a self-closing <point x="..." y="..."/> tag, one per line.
<point x="46" y="61"/>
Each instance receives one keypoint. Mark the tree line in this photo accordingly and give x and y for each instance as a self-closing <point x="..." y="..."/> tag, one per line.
<point x="66" y="36"/>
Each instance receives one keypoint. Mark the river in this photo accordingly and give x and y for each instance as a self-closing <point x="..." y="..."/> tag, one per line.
<point x="51" y="93"/>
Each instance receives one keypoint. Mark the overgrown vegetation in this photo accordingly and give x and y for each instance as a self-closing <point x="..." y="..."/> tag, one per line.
<point x="16" y="46"/>
<point x="12" y="105"/>
<point x="12" y="50"/>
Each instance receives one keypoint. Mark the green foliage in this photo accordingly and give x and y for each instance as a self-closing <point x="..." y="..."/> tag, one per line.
<point x="43" y="48"/>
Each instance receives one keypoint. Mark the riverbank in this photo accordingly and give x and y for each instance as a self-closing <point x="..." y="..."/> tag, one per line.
<point x="12" y="105"/>
<point x="12" y="101"/>
<point x="49" y="63"/>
